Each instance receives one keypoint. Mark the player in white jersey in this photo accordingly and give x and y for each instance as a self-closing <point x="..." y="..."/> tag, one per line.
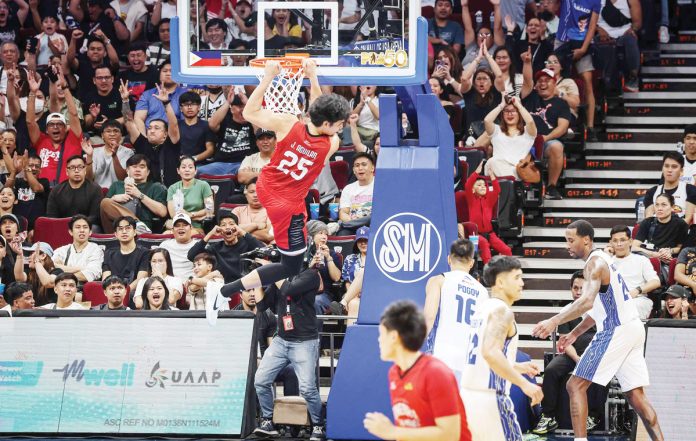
<point x="617" y="347"/>
<point x="450" y="303"/>
<point x="491" y="366"/>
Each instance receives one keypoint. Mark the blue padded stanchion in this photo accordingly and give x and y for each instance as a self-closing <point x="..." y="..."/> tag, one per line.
<point x="413" y="224"/>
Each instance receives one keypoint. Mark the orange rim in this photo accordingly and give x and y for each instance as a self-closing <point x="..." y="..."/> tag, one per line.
<point x="290" y="63"/>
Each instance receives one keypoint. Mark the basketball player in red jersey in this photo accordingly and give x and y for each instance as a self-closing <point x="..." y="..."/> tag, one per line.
<point x="300" y="154"/>
<point x="424" y="393"/>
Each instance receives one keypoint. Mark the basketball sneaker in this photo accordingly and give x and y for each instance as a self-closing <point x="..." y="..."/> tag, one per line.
<point x="546" y="424"/>
<point x="214" y="302"/>
<point x="266" y="429"/>
<point x="592" y="422"/>
<point x="317" y="434"/>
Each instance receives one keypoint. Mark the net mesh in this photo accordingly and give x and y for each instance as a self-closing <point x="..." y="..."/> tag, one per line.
<point x="282" y="94"/>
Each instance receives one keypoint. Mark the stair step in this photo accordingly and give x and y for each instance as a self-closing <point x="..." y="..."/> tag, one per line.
<point x="675" y="47"/>
<point x="649" y="120"/>
<point x="566" y="265"/>
<point x="669" y="70"/>
<point x="642" y="175"/>
<point x="657" y="109"/>
<point x="594" y="162"/>
<point x="549" y="250"/>
<point x="667" y="85"/>
<point x="603" y="192"/>
<point x="674" y="60"/>
<point x="598" y="220"/>
<point x="559" y="232"/>
<point x="643" y="135"/>
<point x="659" y="96"/>
<point x="590" y="203"/>
<point x="547" y="285"/>
<point x="630" y="146"/>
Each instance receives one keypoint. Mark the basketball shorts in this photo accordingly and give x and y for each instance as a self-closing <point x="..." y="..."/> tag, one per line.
<point x="288" y="221"/>
<point x="490" y="416"/>
<point x="616" y="352"/>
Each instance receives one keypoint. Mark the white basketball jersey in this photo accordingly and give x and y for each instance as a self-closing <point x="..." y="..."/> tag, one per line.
<point x="679" y="198"/>
<point x="612" y="306"/>
<point x="449" y="338"/>
<point x="689" y="175"/>
<point x="478" y="375"/>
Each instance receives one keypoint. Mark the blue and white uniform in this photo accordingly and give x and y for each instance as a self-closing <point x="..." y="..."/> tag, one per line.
<point x="489" y="410"/>
<point x="617" y="347"/>
<point x="449" y="338"/>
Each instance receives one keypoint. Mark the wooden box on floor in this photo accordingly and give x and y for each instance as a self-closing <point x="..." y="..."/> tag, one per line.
<point x="291" y="411"/>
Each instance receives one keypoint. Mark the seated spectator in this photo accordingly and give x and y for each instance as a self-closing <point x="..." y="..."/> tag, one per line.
<point x="480" y="97"/>
<point x="240" y="26"/>
<point x="160" y="264"/>
<point x="197" y="140"/>
<point x="196" y="195"/>
<point x="512" y="140"/>
<point x="82" y="257"/>
<point x="573" y="39"/>
<point x="689" y="140"/>
<point x="9" y="55"/>
<point x="159" y="51"/>
<point x="7" y="262"/>
<point x="107" y="164"/>
<point x="286" y="24"/>
<point x="235" y="241"/>
<point x="160" y="142"/>
<point x="156" y="296"/>
<point x="104" y="103"/>
<point x="216" y="32"/>
<point x="128" y="260"/>
<point x="683" y="193"/>
<point x="355" y="208"/>
<point x="212" y="99"/>
<point x="132" y="14"/>
<point x="366" y="106"/>
<point x="59" y="142"/>
<point x="135" y="196"/>
<point x="661" y="236"/>
<point x="442" y="31"/>
<point x="140" y="76"/>
<point x="448" y="68"/>
<point x="179" y="246"/>
<point x="676" y="304"/>
<point x="84" y="65"/>
<point x="252" y="164"/>
<point x="552" y="118"/>
<point x="618" y="24"/>
<point x="152" y="104"/>
<point x="253" y="217"/>
<point x="636" y="270"/>
<point x="41" y="274"/>
<point x="32" y="191"/>
<point x="350" y="303"/>
<point x="115" y="292"/>
<point x="481" y="203"/>
<point x="235" y="137"/>
<point x="557" y="371"/>
<point x="566" y="88"/>
<point x="203" y="272"/>
<point x="20" y="296"/>
<point x="438" y="88"/>
<point x="8" y="203"/>
<point x="101" y="15"/>
<point x="358" y="145"/>
<point x="482" y="35"/>
<point x="685" y="271"/>
<point x="356" y="262"/>
<point x="535" y="42"/>
<point x="324" y="260"/>
<point x="77" y="195"/>
<point x="65" y="289"/>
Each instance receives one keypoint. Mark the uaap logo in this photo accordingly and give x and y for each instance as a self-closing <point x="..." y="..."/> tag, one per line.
<point x="407" y="247"/>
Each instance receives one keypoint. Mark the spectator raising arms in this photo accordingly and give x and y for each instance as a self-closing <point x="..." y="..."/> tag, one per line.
<point x="512" y="139"/>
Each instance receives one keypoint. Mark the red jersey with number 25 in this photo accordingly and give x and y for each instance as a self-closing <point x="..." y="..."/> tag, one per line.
<point x="296" y="162"/>
<point x="425" y="392"/>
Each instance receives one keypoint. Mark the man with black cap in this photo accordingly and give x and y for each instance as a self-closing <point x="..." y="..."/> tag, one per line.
<point x="236" y="138"/>
<point x="9" y="226"/>
<point x="252" y="164"/>
<point x="676" y="303"/>
<point x="552" y="118"/>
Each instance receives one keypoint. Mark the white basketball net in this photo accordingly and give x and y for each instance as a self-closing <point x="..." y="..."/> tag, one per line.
<point x="281" y="96"/>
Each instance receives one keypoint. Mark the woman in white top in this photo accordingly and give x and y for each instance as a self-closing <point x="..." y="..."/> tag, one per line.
<point x="160" y="265"/>
<point x="157" y="295"/>
<point x="366" y="106"/>
<point x="512" y="139"/>
<point x="566" y="88"/>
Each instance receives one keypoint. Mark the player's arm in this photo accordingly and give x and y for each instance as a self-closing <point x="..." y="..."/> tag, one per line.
<point x="432" y="300"/>
<point x="310" y="71"/>
<point x="446" y="428"/>
<point x="595" y="271"/>
<point x="257" y="115"/>
<point x="335" y="144"/>
<point x="566" y="341"/>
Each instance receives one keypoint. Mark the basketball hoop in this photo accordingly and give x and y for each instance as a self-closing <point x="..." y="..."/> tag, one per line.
<point x="281" y="95"/>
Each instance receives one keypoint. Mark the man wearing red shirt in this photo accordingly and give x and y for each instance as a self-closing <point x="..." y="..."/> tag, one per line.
<point x="424" y="393"/>
<point x="481" y="203"/>
<point x="59" y="142"/>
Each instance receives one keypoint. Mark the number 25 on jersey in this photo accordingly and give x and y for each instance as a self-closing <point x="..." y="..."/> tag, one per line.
<point x="294" y="165"/>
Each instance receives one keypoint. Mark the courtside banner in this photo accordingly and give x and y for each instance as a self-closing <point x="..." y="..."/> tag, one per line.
<point x="126" y="372"/>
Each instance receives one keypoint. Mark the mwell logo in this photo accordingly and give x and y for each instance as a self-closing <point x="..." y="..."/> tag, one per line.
<point x="182" y="378"/>
<point x="98" y="377"/>
<point x="407" y="247"/>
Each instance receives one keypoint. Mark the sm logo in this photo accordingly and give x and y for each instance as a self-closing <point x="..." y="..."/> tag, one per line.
<point x="407" y="247"/>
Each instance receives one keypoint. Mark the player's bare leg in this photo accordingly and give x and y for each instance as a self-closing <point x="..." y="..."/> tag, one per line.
<point x="637" y="399"/>
<point x="577" y="390"/>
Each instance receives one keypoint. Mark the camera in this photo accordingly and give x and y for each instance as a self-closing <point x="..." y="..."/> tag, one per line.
<point x="51" y="75"/>
<point x="268" y="253"/>
<point x="32" y="44"/>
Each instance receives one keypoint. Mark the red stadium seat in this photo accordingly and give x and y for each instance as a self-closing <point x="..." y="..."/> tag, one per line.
<point x="93" y="292"/>
<point x="341" y="244"/>
<point x="315" y="196"/>
<point x="634" y="232"/>
<point x="152" y="240"/>
<point x="672" y="267"/>
<point x="461" y="206"/>
<point x="53" y="231"/>
<point x="340" y="172"/>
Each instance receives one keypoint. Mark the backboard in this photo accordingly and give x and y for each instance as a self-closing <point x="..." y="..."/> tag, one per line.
<point x="354" y="42"/>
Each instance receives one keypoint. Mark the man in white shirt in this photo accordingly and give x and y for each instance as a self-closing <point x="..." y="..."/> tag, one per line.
<point x="689" y="175"/>
<point x="65" y="289"/>
<point x="251" y="165"/>
<point x="355" y="207"/>
<point x="179" y="246"/>
<point x="636" y="270"/>
<point x="82" y="258"/>
<point x="107" y="164"/>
